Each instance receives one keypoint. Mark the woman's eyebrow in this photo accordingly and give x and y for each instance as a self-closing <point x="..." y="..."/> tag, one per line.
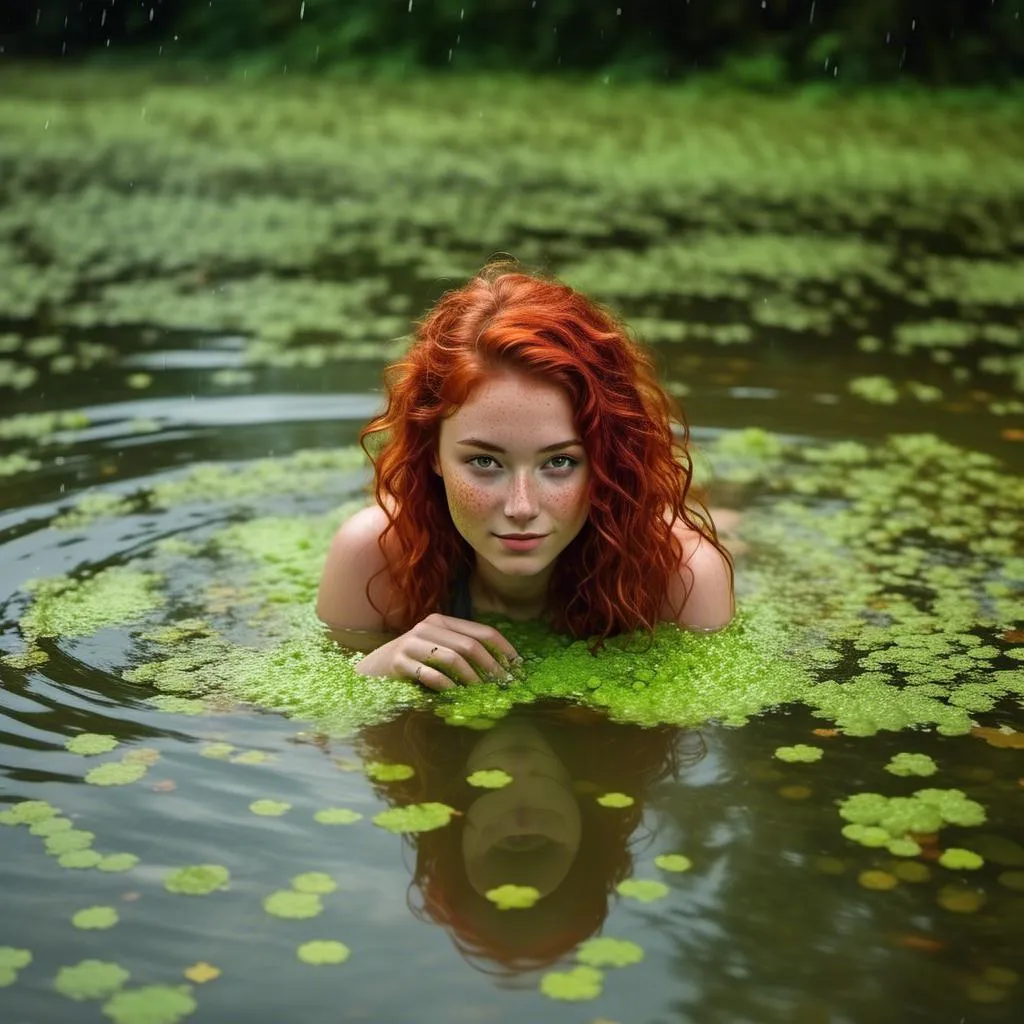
<point x="475" y="442"/>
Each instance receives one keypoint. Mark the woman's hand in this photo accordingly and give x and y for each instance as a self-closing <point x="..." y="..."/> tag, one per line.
<point x="441" y="651"/>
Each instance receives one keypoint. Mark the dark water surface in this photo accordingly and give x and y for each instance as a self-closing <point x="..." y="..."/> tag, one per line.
<point x="776" y="920"/>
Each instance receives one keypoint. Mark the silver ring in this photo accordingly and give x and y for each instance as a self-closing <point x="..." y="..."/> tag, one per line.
<point x="419" y="669"/>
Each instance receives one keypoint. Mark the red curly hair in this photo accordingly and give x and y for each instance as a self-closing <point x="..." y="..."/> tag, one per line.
<point x="613" y="577"/>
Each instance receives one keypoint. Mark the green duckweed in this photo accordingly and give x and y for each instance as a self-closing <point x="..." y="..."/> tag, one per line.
<point x="89" y="743"/>
<point x="912" y="764"/>
<point x="152" y="1004"/>
<point x="323" y="951"/>
<point x="90" y="979"/>
<point x="95" y="918"/>
<point x="642" y="889"/>
<point x="957" y="859"/>
<point x="269" y="808"/>
<point x="314" y="881"/>
<point x="801" y="753"/>
<point x="608" y="952"/>
<point x="575" y="985"/>
<point x="389" y="772"/>
<point x="291" y="904"/>
<point x="513" y="897"/>
<point x="618" y="800"/>
<point x="489" y="778"/>
<point x="414" y="818"/>
<point x="197" y="879"/>
<point x="673" y="862"/>
<point x="116" y="773"/>
<point x="337" y="816"/>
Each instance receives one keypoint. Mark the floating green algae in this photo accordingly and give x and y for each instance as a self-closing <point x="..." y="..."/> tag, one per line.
<point x="68" y="840"/>
<point x="673" y="862"/>
<point x="801" y="753"/>
<point x="513" y="897"/>
<point x="152" y="1004"/>
<point x="90" y="743"/>
<point x="337" y="816"/>
<point x="50" y="826"/>
<point x="489" y="778"/>
<point x="957" y="859"/>
<point x="90" y="979"/>
<point x="80" y="859"/>
<point x="876" y="820"/>
<point x="323" y="951"/>
<point x="389" y="772"/>
<point x="217" y="751"/>
<point x="253" y="757"/>
<point x="270" y="808"/>
<point x="30" y="812"/>
<point x="31" y="657"/>
<point x="575" y="985"/>
<point x="618" y="800"/>
<point x="608" y="952"/>
<point x="642" y="889"/>
<point x="912" y="764"/>
<point x="291" y="904"/>
<point x="64" y="607"/>
<point x="415" y="817"/>
<point x="13" y="958"/>
<point x="116" y="773"/>
<point x="314" y="881"/>
<point x="95" y="918"/>
<point x="197" y="879"/>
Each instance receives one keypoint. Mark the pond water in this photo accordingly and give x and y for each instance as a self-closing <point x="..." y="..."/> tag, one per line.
<point x="177" y="445"/>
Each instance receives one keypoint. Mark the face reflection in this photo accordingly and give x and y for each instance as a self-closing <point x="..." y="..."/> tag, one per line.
<point x="512" y="463"/>
<point x="527" y="833"/>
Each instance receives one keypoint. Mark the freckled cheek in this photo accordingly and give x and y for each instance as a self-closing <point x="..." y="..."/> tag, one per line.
<point x="467" y="504"/>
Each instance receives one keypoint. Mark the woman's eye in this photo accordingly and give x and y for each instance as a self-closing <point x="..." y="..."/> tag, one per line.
<point x="475" y="461"/>
<point x="568" y="462"/>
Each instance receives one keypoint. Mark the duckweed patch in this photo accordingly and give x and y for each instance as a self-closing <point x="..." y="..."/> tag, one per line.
<point x="152" y="1004"/>
<point x="609" y="952"/>
<point x="575" y="985"/>
<point x="389" y="772"/>
<point x="90" y="979"/>
<point x="89" y="743"/>
<point x="423" y="817"/>
<point x="618" y="800"/>
<point x="117" y="862"/>
<point x="876" y="820"/>
<point x="673" y="862"/>
<point x="291" y="904"/>
<point x="643" y="889"/>
<point x="489" y="778"/>
<point x="513" y="897"/>
<point x="197" y="879"/>
<point x="314" y="881"/>
<point x="957" y="859"/>
<point x="912" y="764"/>
<point x="64" y="607"/>
<point x="323" y="951"/>
<point x="337" y="816"/>
<point x="95" y="918"/>
<point x="801" y="753"/>
<point x="269" y="808"/>
<point x="116" y="773"/>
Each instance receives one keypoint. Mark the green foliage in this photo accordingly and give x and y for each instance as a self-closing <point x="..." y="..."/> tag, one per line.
<point x="513" y="897"/>
<point x="291" y="904"/>
<point x="800" y="753"/>
<point x="575" y="985"/>
<point x="642" y="889"/>
<point x="153" y="1004"/>
<point x="957" y="859"/>
<point x="323" y="951"/>
<point x="489" y="778"/>
<point x="90" y="743"/>
<point x="95" y="918"/>
<point x="90" y="979"/>
<point x="607" y="952"/>
<point x="414" y="818"/>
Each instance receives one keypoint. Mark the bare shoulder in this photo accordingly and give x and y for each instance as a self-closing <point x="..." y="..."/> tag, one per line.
<point x="353" y="560"/>
<point x="702" y="585"/>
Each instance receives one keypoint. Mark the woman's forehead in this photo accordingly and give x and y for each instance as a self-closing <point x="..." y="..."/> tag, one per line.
<point x="514" y="405"/>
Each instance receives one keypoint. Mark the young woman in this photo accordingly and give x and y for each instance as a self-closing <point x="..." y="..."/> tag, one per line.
<point x="525" y="468"/>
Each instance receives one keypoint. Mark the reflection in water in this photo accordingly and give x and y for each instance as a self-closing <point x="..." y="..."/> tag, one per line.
<point x="545" y="829"/>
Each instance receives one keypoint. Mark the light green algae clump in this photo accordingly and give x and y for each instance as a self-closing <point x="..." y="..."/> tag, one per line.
<point x="513" y="897"/>
<point x="800" y="753"/>
<point x="608" y="952"/>
<point x="64" y="607"/>
<point x="153" y="1004"/>
<point x="876" y="820"/>
<point x="198" y="879"/>
<point x="323" y="951"/>
<point x="90" y="979"/>
<point x="575" y="985"/>
<point x="912" y="764"/>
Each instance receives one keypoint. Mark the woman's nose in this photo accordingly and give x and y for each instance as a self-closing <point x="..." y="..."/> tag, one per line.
<point x="522" y="497"/>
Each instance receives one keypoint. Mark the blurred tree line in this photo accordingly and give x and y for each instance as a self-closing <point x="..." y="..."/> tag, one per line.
<point x="759" y="43"/>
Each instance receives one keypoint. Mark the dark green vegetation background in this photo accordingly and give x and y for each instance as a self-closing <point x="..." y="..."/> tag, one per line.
<point x="757" y="43"/>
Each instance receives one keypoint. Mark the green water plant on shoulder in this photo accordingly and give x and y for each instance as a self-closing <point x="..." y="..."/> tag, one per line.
<point x="197" y="879"/>
<point x="323" y="951"/>
<point x="912" y="764"/>
<point x="513" y="897"/>
<point x="575" y="985"/>
<point x="151" y="1004"/>
<point x="608" y="952"/>
<point x="90" y="979"/>
<point x="92" y="918"/>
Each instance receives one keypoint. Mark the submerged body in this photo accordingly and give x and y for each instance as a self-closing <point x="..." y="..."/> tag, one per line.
<point x="518" y="483"/>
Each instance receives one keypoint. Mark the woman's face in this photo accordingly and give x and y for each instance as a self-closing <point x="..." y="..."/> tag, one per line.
<point x="513" y="463"/>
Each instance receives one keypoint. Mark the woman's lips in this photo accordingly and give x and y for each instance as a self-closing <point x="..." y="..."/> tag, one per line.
<point x="521" y="544"/>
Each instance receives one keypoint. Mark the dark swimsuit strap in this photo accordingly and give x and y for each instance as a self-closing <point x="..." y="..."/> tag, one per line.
<point x="460" y="604"/>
